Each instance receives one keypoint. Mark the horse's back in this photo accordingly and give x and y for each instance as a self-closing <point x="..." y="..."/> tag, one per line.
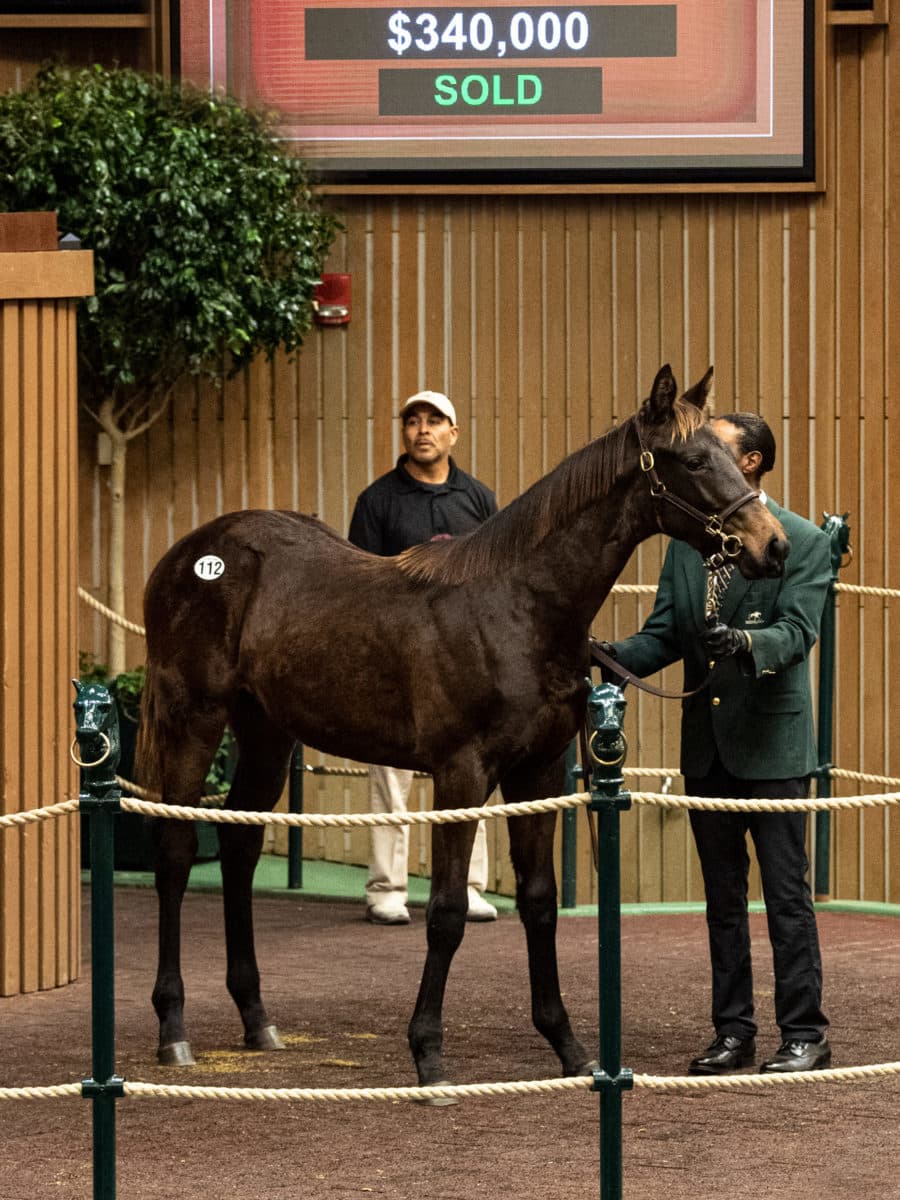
<point x="202" y="585"/>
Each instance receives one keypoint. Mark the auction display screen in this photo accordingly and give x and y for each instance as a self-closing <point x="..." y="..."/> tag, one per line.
<point x="505" y="92"/>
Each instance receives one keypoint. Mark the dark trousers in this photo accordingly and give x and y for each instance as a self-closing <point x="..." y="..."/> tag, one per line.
<point x="780" y="842"/>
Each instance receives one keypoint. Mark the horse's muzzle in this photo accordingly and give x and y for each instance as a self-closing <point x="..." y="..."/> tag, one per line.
<point x="777" y="550"/>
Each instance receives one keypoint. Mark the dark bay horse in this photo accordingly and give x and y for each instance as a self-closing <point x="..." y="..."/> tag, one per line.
<point x="467" y="659"/>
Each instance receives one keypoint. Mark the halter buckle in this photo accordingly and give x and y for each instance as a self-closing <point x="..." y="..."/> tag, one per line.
<point x="657" y="488"/>
<point x="646" y="461"/>
<point x="714" y="526"/>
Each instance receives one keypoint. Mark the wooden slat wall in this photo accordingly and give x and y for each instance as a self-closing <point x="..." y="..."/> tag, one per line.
<point x="40" y="924"/>
<point x="545" y="319"/>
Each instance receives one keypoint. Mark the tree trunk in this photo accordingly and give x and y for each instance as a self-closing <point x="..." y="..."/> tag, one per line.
<point x="117" y="552"/>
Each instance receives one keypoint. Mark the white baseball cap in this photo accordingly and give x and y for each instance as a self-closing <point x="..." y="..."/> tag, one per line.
<point x="436" y="399"/>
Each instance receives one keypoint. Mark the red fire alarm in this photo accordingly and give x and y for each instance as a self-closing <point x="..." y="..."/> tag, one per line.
<point x="332" y="300"/>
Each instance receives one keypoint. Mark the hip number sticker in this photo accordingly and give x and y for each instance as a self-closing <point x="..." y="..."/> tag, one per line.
<point x="210" y="566"/>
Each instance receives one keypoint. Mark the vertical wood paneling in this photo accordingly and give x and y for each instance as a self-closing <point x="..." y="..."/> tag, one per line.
<point x="545" y="319"/>
<point x="39" y="882"/>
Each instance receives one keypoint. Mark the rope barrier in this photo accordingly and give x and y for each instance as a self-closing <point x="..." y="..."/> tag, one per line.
<point x="461" y="1091"/>
<point x="444" y="1091"/>
<point x="622" y="589"/>
<point x="39" y="814"/>
<point x="216" y="799"/>
<point x="110" y="613"/>
<point x="719" y="804"/>
<point x="179" y="812"/>
<point x="862" y="777"/>
<point x="525" y="808"/>
<point x="860" y="590"/>
<point x="52" y="1092"/>
<point x="674" y="1083"/>
<point x="447" y="816"/>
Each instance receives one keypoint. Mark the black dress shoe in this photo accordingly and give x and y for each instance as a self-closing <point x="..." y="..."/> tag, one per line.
<point x="794" y="1055"/>
<point x="727" y="1053"/>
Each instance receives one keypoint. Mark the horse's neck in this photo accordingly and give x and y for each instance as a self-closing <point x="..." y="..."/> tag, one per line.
<point x="585" y="556"/>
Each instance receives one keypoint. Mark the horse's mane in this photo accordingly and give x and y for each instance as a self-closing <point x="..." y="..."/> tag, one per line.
<point x="507" y="537"/>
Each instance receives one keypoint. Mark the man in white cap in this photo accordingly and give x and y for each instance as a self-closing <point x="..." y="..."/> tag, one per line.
<point x="424" y="498"/>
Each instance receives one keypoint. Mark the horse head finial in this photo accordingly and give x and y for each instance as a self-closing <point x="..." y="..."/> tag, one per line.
<point x="606" y="712"/>
<point x="96" y="732"/>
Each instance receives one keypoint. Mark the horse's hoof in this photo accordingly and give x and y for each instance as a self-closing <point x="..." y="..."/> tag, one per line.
<point x="589" y="1068"/>
<point x="264" y="1039"/>
<point x="176" y="1054"/>
<point x="439" y="1101"/>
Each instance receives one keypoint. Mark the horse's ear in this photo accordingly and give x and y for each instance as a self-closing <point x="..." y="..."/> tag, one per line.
<point x="698" y="394"/>
<point x="657" y="408"/>
<point x="76" y="683"/>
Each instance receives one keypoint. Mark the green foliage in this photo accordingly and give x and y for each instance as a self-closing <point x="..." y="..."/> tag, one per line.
<point x="126" y="689"/>
<point x="208" y="240"/>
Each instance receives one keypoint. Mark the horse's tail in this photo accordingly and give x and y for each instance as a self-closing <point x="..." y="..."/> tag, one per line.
<point x="146" y="754"/>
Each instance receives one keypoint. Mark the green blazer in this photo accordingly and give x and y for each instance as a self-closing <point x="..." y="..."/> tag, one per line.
<point x="757" y="710"/>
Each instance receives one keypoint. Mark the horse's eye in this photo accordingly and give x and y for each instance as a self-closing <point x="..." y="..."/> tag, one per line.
<point x="696" y="463"/>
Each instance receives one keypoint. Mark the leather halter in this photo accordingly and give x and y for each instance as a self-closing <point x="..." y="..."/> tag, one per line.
<point x="713" y="523"/>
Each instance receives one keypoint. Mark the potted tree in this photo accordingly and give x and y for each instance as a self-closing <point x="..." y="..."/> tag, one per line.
<point x="207" y="235"/>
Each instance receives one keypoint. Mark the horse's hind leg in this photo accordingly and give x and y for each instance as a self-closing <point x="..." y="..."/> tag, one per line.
<point x="185" y="755"/>
<point x="531" y="850"/>
<point x="264" y="752"/>
<point x="451" y="849"/>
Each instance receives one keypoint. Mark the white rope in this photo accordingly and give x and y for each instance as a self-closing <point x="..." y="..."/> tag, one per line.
<point x="443" y="1091"/>
<point x="54" y="1092"/>
<point x="860" y="590"/>
<point x="525" y="808"/>
<point x="448" y="1091"/>
<point x="39" y="814"/>
<point x="218" y="798"/>
<point x="111" y="614"/>
<point x="179" y="812"/>
<point x="720" y="804"/>
<point x="862" y="777"/>
<point x="674" y="1083"/>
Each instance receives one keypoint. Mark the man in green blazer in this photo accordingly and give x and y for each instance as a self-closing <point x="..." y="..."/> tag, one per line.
<point x="749" y="735"/>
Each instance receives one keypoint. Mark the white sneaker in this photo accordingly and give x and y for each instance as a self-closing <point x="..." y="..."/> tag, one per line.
<point x="387" y="914"/>
<point x="479" y="908"/>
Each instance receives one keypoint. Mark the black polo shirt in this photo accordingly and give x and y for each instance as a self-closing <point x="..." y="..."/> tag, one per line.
<point x="397" y="511"/>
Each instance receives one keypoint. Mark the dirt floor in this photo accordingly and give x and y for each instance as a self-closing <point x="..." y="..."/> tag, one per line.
<point x="341" y="992"/>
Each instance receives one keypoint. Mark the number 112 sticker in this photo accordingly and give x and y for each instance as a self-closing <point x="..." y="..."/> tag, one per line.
<point x="210" y="566"/>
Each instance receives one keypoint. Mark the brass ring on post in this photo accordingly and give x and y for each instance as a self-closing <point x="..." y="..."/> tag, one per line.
<point x="606" y="762"/>
<point x="78" y="762"/>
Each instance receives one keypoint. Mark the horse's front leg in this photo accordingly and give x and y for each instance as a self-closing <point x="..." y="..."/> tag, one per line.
<point x="446" y="922"/>
<point x="175" y="851"/>
<point x="531" y="850"/>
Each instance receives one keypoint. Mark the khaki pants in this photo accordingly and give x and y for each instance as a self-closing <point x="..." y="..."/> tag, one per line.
<point x="388" y="862"/>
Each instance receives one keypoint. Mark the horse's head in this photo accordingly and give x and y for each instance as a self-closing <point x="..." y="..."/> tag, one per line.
<point x="695" y="486"/>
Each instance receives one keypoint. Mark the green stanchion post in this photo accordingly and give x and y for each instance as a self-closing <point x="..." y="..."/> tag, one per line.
<point x="295" y="805"/>
<point x="839" y="532"/>
<point x="97" y="733"/>
<point x="570" y="831"/>
<point x="607" y="747"/>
